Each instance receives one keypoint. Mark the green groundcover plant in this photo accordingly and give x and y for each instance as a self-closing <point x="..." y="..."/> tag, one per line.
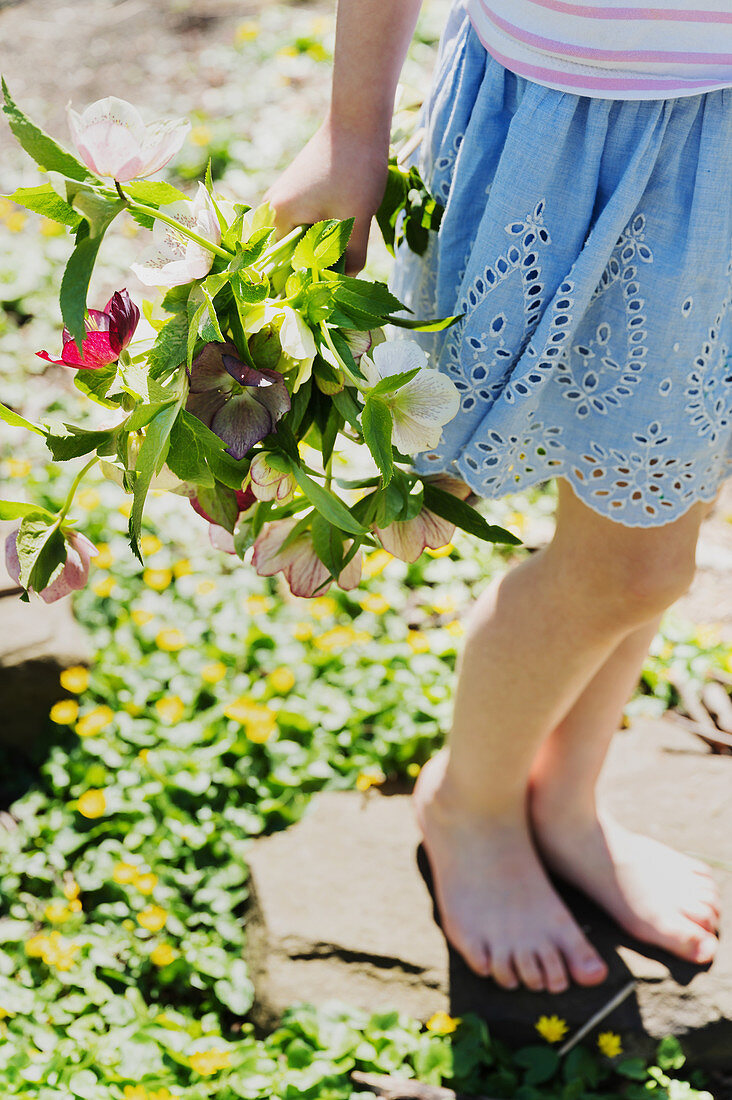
<point x="267" y="343"/>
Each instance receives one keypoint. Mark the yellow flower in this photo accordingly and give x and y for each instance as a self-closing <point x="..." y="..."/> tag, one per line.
<point x="162" y="955"/>
<point x="339" y="638"/>
<point x="418" y="641"/>
<point x="132" y="708"/>
<point x="322" y="606"/>
<point x="75" y="905"/>
<point x="413" y="769"/>
<point x="159" y="579"/>
<point x="135" y="1092"/>
<point x="171" y="708"/>
<point x="36" y="946"/>
<point x="667" y="650"/>
<point x="302" y="631"/>
<point x="92" y="803"/>
<point x="288" y="51"/>
<point x="213" y="672"/>
<point x="375" y="603"/>
<point x="455" y="628"/>
<point x="200" y="135"/>
<point x="170" y="640"/>
<point x="5" y="1012"/>
<point x="441" y="551"/>
<point x="281" y="679"/>
<point x="57" y="912"/>
<point x="369" y="779"/>
<point x="150" y="544"/>
<point x="204" y="588"/>
<point x="64" y="712"/>
<point x="19" y="467"/>
<point x="125" y="508"/>
<point x="182" y="568"/>
<point x="71" y="890"/>
<point x="104" y="587"/>
<point x="104" y="558"/>
<point x="442" y="1024"/>
<point x="146" y="883"/>
<point x="259" y="722"/>
<point x="551" y="1028"/>
<point x="75" y="679"/>
<point x="153" y="918"/>
<point x="140" y="616"/>
<point x="610" y="1044"/>
<point x="207" y="1062"/>
<point x="58" y="953"/>
<point x="94" y="721"/>
<point x="256" y="605"/>
<point x="16" y="221"/>
<point x="246" y="31"/>
<point x="444" y="604"/>
<point x="88" y="499"/>
<point x="125" y="872"/>
<point x="376" y="563"/>
<point x="143" y="755"/>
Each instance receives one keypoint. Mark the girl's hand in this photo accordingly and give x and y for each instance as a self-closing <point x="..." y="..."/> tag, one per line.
<point x="340" y="173"/>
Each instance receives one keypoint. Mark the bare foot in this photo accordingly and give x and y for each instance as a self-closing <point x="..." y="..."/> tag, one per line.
<point x="658" y="895"/>
<point x="495" y="901"/>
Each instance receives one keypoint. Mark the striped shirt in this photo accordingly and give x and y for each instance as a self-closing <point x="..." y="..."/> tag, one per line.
<point x="612" y="49"/>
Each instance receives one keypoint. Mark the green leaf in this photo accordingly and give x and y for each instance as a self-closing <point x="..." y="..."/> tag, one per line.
<point x="41" y="549"/>
<point x="328" y="545"/>
<point x="75" y="284"/>
<point x="17" y="509"/>
<point x="219" y="503"/>
<point x="247" y="252"/>
<point x="436" y="325"/>
<point x="153" y="192"/>
<point x="75" y="442"/>
<point x="394" y="382"/>
<point x="364" y="299"/>
<point x="187" y="454"/>
<point x="323" y="244"/>
<point x="42" y="148"/>
<point x="634" y="1068"/>
<point x="150" y="461"/>
<point x="329" y="506"/>
<point x="463" y="516"/>
<point x="377" y="428"/>
<point x="581" y="1064"/>
<point x="95" y="384"/>
<point x="17" y="421"/>
<point x="236" y="991"/>
<point x="540" y="1063"/>
<point x="669" y="1054"/>
<point x="142" y="414"/>
<point x="44" y="200"/>
<point x="169" y="349"/>
<point x="230" y="471"/>
<point x="99" y="210"/>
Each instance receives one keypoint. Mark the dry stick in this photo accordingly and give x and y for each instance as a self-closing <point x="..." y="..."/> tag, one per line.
<point x="599" y="1015"/>
<point x="404" y="1088"/>
<point x="718" y="703"/>
<point x="717" y="739"/>
<point x="691" y="702"/>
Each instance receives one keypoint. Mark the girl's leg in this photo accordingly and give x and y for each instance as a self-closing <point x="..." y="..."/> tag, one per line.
<point x="537" y="637"/>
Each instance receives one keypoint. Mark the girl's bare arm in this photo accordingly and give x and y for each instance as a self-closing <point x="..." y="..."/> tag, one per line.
<point x="341" y="172"/>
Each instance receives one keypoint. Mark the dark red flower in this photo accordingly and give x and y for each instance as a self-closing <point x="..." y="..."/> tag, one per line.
<point x="108" y="331"/>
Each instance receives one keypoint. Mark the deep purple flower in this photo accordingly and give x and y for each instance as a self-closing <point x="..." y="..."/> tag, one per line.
<point x="240" y="404"/>
<point x="108" y="331"/>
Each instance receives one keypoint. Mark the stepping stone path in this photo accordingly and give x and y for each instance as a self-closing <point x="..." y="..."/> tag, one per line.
<point x="37" y="641"/>
<point x="341" y="911"/>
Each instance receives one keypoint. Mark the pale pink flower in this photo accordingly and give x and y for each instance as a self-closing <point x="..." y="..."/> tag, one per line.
<point x="112" y="139"/>
<point x="270" y="484"/>
<point x="74" y="573"/>
<point x="407" y="539"/>
<point x="303" y="569"/>
<point x="173" y="258"/>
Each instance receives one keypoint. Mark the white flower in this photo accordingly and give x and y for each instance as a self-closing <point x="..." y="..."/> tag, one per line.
<point x="112" y="139"/>
<point x="421" y="408"/>
<point x="296" y="337"/>
<point x="173" y="258"/>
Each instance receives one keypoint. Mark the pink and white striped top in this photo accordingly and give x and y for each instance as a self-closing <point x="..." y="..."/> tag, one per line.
<point x="612" y="49"/>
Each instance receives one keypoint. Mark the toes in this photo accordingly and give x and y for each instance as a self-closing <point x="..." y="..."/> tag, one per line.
<point x="503" y="971"/>
<point x="585" y="965"/>
<point x="527" y="967"/>
<point x="474" y="953"/>
<point x="691" y="941"/>
<point x="555" y="972"/>
<point x="703" y="915"/>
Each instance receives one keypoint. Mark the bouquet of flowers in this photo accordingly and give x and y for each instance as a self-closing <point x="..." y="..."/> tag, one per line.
<point x="268" y="345"/>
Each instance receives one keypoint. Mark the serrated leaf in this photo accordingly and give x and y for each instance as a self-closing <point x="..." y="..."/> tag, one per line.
<point x="377" y="427"/>
<point x="187" y="455"/>
<point x="435" y="325"/>
<point x="169" y="349"/>
<point x="96" y="383"/>
<point x="394" y="382"/>
<point x="456" y="511"/>
<point x="75" y="442"/>
<point x="17" y="421"/>
<point x="17" y="509"/>
<point x="153" y="192"/>
<point x="39" y="145"/>
<point x="230" y="471"/>
<point x="44" y="200"/>
<point x="323" y="244"/>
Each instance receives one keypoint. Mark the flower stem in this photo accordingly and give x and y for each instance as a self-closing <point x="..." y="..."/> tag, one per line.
<point x="273" y="253"/>
<point x="74" y="487"/>
<point x="178" y="226"/>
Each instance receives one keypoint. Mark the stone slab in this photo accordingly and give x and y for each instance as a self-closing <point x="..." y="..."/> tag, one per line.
<point x="340" y="909"/>
<point x="37" y="640"/>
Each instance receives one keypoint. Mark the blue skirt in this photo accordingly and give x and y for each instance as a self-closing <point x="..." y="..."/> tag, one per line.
<point x="587" y="243"/>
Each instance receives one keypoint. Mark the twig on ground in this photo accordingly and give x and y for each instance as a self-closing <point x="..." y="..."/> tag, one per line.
<point x="599" y="1015"/>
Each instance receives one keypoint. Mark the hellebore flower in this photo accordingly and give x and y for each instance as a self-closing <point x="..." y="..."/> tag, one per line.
<point x="406" y="539"/>
<point x="269" y="484"/>
<point x="173" y="258"/>
<point x="240" y="404"/>
<point x="422" y="407"/>
<point x="112" y="139"/>
<point x="108" y="331"/>
<point x="295" y="336"/>
<point x="221" y="538"/>
<point x="74" y="573"/>
<point x="303" y="569"/>
<point x="362" y="341"/>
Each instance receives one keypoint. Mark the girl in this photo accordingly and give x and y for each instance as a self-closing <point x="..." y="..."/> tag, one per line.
<point x="584" y="155"/>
